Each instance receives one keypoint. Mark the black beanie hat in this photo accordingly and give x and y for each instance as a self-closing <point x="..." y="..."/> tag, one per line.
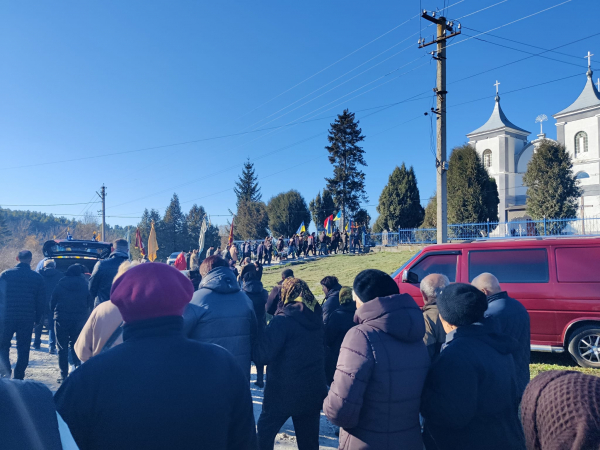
<point x="372" y="283"/>
<point x="462" y="304"/>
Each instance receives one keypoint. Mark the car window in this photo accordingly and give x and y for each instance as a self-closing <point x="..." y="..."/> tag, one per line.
<point x="511" y="266"/>
<point x="412" y="258"/>
<point x="577" y="265"/>
<point x="444" y="264"/>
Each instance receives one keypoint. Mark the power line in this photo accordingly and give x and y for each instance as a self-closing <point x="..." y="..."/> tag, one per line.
<point x="510" y="23"/>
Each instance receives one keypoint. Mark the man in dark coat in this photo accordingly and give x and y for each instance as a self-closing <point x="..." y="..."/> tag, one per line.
<point x="220" y="313"/>
<point x="105" y="270"/>
<point x="70" y="304"/>
<point x="340" y="321"/>
<point x="260" y="253"/>
<point x="470" y="400"/>
<point x="376" y="391"/>
<point x="51" y="276"/>
<point x="511" y="318"/>
<point x="274" y="303"/>
<point x="268" y="250"/>
<point x="280" y="244"/>
<point x="157" y="390"/>
<point x="435" y="335"/>
<point x="292" y="348"/>
<point x="253" y="288"/>
<point x="331" y="288"/>
<point x="345" y="239"/>
<point x="22" y="307"/>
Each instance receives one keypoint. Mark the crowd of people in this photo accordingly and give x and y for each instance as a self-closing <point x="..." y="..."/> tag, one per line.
<point x="167" y="358"/>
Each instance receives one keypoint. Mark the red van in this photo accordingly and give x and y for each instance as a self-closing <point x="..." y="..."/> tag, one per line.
<point x="557" y="279"/>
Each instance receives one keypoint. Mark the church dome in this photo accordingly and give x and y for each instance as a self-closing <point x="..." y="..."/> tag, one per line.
<point x="588" y="99"/>
<point x="498" y="122"/>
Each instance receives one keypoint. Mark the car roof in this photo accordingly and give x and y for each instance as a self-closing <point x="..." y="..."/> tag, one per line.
<point x="529" y="241"/>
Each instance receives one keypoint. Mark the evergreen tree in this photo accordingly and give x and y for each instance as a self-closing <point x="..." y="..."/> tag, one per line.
<point x="472" y="194"/>
<point x="400" y="202"/>
<point x="247" y="189"/>
<point x="430" y="218"/>
<point x="252" y="220"/>
<point x="5" y="232"/>
<point x="362" y="218"/>
<point x="552" y="188"/>
<point x="347" y="185"/>
<point x="172" y="234"/>
<point x="286" y="212"/>
<point x="321" y="207"/>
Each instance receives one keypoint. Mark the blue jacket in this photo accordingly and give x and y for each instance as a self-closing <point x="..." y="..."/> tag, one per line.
<point x="510" y="317"/>
<point x="470" y="400"/>
<point x="220" y="313"/>
<point x="25" y="294"/>
<point x="158" y="390"/>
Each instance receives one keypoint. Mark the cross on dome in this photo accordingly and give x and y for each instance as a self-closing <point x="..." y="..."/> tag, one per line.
<point x="589" y="58"/>
<point x="497" y="84"/>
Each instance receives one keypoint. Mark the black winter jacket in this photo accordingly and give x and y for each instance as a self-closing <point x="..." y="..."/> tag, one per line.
<point x="159" y="390"/>
<point x="28" y="416"/>
<point x="258" y="296"/>
<point x="103" y="274"/>
<point x="510" y="317"/>
<point x="470" y="400"/>
<point x="220" y="313"/>
<point x="292" y="349"/>
<point x="331" y="303"/>
<point x="336" y="328"/>
<point x="25" y="295"/>
<point x="51" y="278"/>
<point x="274" y="304"/>
<point x="71" y="300"/>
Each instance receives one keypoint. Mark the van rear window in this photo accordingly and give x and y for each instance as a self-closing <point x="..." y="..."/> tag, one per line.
<point x="577" y="264"/>
<point x="511" y="266"/>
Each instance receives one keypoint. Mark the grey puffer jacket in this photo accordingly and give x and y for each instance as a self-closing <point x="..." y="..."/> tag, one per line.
<point x="220" y="313"/>
<point x="376" y="391"/>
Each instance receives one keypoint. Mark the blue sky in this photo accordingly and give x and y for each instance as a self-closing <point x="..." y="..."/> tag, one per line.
<point x="95" y="79"/>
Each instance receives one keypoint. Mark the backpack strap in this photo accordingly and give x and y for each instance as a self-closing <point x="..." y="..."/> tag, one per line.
<point x="113" y="337"/>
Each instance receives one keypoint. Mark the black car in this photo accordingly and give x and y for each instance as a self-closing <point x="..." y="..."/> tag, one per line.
<point x="68" y="252"/>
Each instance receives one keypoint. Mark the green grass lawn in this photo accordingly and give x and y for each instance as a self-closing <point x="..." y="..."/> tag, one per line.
<point x="346" y="267"/>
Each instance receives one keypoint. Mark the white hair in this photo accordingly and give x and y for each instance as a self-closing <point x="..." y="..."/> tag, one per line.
<point x="432" y="285"/>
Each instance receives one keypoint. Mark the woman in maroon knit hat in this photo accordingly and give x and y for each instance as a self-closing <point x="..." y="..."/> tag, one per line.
<point x="560" y="410"/>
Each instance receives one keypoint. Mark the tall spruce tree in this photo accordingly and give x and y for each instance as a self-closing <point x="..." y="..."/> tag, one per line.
<point x="252" y="220"/>
<point x="286" y="212"/>
<point x="400" y="202"/>
<point x="430" y="217"/>
<point x="172" y="233"/>
<point x="247" y="189"/>
<point x="552" y="188"/>
<point x="5" y="232"/>
<point x="347" y="185"/>
<point x="193" y="225"/>
<point x="321" y="207"/>
<point x="472" y="194"/>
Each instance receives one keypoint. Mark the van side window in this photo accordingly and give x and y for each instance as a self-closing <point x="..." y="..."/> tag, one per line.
<point x="444" y="264"/>
<point x="511" y="266"/>
<point x="577" y="264"/>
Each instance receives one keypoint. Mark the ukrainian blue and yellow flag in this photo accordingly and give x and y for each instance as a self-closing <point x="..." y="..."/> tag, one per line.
<point x="349" y="226"/>
<point x="301" y="229"/>
<point x="338" y="216"/>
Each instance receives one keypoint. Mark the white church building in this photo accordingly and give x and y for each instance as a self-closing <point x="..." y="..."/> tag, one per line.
<point x="505" y="151"/>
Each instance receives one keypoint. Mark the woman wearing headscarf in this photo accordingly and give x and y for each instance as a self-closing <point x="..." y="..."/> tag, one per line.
<point x="340" y="321"/>
<point x="292" y="348"/>
<point x="253" y="287"/>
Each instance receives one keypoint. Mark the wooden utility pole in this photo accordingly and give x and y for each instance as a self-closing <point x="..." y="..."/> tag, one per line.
<point x="102" y="195"/>
<point x="443" y="27"/>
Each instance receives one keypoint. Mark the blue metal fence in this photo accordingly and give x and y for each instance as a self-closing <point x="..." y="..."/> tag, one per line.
<point x="491" y="230"/>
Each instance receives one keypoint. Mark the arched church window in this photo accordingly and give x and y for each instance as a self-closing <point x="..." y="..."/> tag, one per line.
<point x="487" y="158"/>
<point x="581" y="142"/>
<point x="582" y="175"/>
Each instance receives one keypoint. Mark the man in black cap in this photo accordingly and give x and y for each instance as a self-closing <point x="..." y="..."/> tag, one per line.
<point x="24" y="295"/>
<point x="470" y="400"/>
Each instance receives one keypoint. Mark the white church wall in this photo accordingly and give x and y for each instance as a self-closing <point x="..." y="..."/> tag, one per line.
<point x="524" y="159"/>
<point x="590" y="126"/>
<point x="492" y="144"/>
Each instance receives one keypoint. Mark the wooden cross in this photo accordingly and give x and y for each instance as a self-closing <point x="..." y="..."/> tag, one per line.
<point x="589" y="58"/>
<point x="497" y="84"/>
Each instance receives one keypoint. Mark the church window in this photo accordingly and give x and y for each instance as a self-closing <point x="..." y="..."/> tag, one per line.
<point x="582" y="175"/>
<point x="581" y="142"/>
<point x="487" y="158"/>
